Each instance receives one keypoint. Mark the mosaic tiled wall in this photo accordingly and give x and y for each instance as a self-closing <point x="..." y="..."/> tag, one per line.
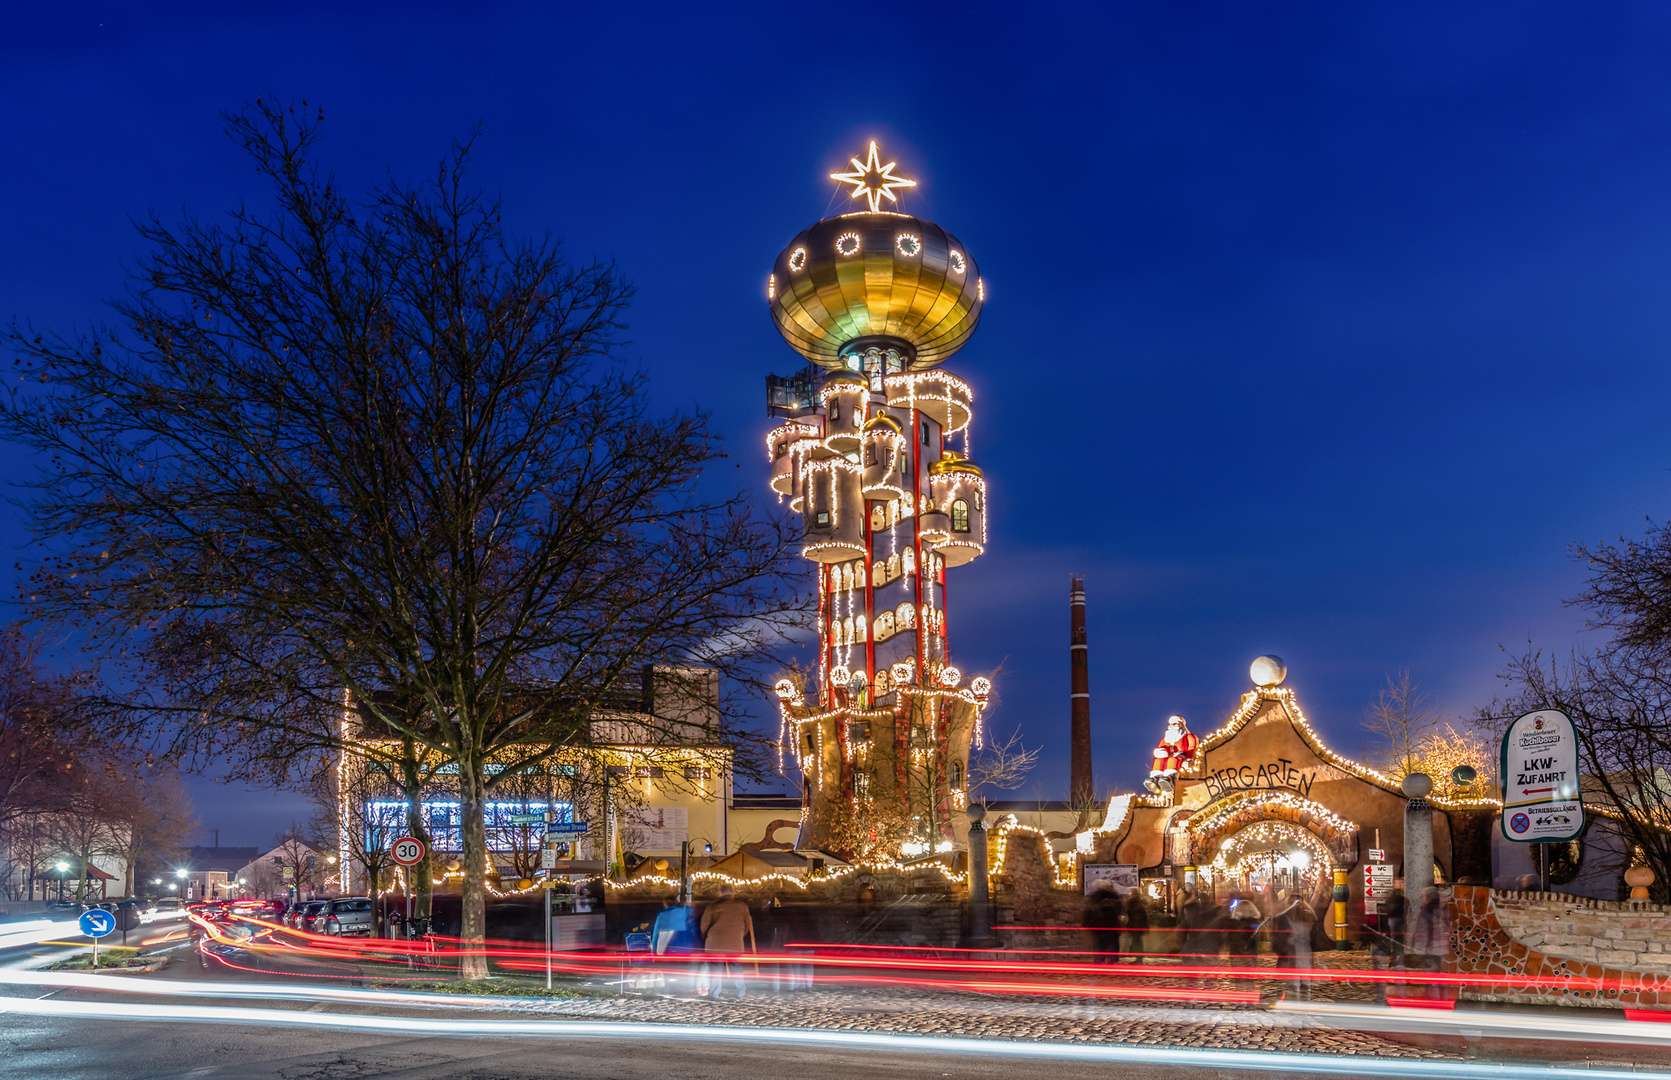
<point x="1488" y="940"/>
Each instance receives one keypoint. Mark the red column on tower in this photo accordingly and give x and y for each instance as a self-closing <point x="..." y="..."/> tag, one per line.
<point x="1079" y="785"/>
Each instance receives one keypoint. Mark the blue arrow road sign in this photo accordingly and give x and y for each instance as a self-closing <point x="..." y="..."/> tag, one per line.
<point x="96" y="923"/>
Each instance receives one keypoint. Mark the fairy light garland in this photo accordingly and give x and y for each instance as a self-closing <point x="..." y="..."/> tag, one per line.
<point x="1251" y="702"/>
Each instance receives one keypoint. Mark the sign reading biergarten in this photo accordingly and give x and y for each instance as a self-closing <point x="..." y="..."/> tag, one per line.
<point x="1541" y="800"/>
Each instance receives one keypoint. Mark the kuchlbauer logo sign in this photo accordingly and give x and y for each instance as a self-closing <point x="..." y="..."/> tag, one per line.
<point x="1541" y="800"/>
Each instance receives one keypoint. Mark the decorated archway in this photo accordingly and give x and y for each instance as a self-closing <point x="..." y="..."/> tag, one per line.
<point x="1276" y="840"/>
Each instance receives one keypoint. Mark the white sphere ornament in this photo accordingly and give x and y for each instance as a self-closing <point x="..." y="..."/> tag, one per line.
<point x="1416" y="785"/>
<point x="1268" y="671"/>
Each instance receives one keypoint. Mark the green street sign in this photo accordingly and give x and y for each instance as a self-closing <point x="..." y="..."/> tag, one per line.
<point x="528" y="819"/>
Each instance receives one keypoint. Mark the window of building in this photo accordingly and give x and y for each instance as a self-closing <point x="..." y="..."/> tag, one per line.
<point x="835" y="410"/>
<point x="823" y="519"/>
<point x="650" y="771"/>
<point x="782" y="449"/>
<point x="960" y="515"/>
<point x="957" y="776"/>
<point x="698" y="772"/>
<point x="925" y="434"/>
<point x="861" y="784"/>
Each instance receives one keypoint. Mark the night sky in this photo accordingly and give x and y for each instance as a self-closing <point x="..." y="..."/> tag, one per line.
<point x="1310" y="330"/>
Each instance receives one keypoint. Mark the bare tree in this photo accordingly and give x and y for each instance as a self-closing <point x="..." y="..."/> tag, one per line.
<point x="1001" y="765"/>
<point x="1402" y="719"/>
<point x="374" y="449"/>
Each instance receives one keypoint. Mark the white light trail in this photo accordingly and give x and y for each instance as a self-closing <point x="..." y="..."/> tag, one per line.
<point x="1128" y="1055"/>
<point x="37" y="930"/>
<point x="1503" y="1025"/>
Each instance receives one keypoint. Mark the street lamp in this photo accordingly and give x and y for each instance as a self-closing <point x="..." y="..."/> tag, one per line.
<point x="62" y="868"/>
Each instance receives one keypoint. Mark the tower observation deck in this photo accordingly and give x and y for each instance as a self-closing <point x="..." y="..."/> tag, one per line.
<point x="873" y="453"/>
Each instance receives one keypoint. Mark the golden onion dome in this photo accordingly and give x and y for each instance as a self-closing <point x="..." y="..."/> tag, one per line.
<point x="953" y="462"/>
<point x="876" y="277"/>
<point x="883" y="421"/>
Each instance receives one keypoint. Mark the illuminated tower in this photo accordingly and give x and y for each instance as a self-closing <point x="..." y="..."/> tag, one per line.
<point x="877" y="300"/>
<point x="1079" y="783"/>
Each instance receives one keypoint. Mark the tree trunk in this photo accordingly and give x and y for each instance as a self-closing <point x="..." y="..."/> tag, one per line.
<point x="473" y="829"/>
<point x="422" y="876"/>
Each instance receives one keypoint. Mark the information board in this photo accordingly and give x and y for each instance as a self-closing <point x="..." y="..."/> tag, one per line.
<point x="1541" y="797"/>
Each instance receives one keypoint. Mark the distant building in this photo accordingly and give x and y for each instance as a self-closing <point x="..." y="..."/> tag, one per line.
<point x="294" y="864"/>
<point x="208" y="873"/>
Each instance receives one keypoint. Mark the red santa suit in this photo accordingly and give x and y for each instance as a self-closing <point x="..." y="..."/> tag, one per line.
<point x="1175" y="752"/>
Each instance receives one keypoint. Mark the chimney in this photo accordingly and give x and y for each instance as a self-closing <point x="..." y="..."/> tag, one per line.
<point x="1079" y="783"/>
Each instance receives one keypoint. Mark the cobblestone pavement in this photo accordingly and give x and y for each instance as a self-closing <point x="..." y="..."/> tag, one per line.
<point x="992" y="1016"/>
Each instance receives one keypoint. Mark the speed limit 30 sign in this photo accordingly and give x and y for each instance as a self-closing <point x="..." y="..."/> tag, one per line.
<point x="407" y="851"/>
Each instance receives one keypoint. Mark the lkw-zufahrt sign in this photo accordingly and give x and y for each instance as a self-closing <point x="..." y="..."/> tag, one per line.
<point x="1541" y="799"/>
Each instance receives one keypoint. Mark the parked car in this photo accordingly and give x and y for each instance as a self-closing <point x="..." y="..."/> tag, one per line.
<point x="347" y="916"/>
<point x="169" y="907"/>
<point x="303" y="915"/>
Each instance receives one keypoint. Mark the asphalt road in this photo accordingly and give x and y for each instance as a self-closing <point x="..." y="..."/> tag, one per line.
<point x="64" y="1048"/>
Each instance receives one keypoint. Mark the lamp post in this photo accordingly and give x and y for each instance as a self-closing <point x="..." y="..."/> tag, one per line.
<point x="980" y="911"/>
<point x="62" y="868"/>
<point x="185" y="891"/>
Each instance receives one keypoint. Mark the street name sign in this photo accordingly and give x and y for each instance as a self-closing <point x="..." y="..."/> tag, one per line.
<point x="566" y="831"/>
<point x="1541" y="799"/>
<point x="407" y="851"/>
<point x="528" y="819"/>
<point x="97" y="923"/>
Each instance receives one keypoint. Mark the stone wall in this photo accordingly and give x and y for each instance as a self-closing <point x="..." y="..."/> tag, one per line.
<point x="1632" y="934"/>
<point x="1483" y="943"/>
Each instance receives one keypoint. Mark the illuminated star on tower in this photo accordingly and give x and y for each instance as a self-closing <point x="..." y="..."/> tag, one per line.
<point x="873" y="180"/>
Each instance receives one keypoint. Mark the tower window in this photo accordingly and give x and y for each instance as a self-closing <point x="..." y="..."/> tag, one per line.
<point x="925" y="434"/>
<point x="957" y="776"/>
<point x="835" y="411"/>
<point x="823" y="519"/>
<point x="960" y="515"/>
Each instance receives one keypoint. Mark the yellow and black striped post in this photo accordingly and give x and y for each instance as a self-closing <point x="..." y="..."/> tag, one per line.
<point x="1340" y="896"/>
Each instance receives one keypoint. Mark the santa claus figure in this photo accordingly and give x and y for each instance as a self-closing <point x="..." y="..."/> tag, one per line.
<point x="1176" y="750"/>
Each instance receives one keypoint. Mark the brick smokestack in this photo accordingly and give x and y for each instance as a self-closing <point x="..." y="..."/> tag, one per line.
<point x="1079" y="783"/>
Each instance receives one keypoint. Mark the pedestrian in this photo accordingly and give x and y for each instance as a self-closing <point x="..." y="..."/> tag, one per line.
<point x="673" y="936"/>
<point x="1242" y="934"/>
<point x="1299" y="923"/>
<point x="725" y="925"/>
<point x="1386" y="950"/>
<point x="1429" y="941"/>
<point x="1137" y="925"/>
<point x="1103" y="914"/>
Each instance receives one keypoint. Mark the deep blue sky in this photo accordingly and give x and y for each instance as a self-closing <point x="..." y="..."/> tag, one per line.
<point x="1311" y="330"/>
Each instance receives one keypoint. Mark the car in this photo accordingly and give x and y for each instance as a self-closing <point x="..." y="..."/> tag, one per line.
<point x="168" y="907"/>
<point x="303" y="915"/>
<point x="348" y="916"/>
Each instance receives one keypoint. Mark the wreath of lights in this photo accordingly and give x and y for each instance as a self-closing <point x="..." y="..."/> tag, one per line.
<point x="950" y="676"/>
<point x="847" y="244"/>
<point x="910" y="245"/>
<point x="797" y="260"/>
<point x="959" y="265"/>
